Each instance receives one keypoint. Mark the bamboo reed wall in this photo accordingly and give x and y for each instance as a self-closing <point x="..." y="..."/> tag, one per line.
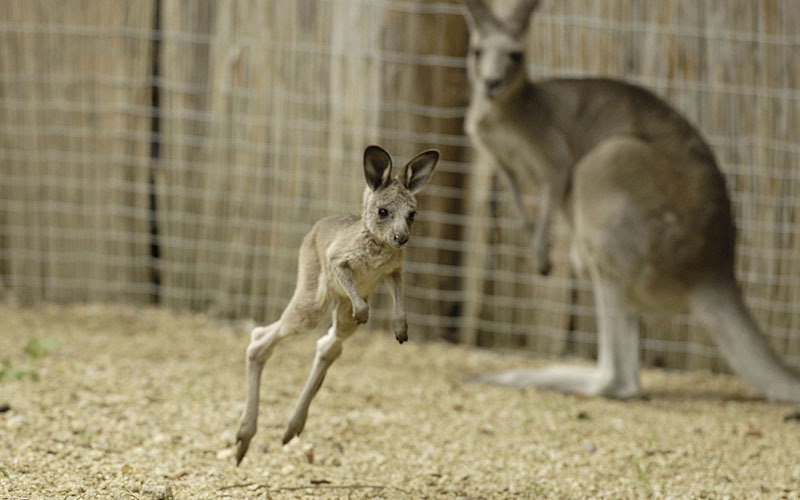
<point x="74" y="149"/>
<point x="176" y="152"/>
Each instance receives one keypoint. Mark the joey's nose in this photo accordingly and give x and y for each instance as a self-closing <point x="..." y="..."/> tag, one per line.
<point x="493" y="87"/>
<point x="400" y="240"/>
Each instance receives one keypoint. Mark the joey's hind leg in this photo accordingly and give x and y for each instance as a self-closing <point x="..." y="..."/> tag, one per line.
<point x="617" y="372"/>
<point x="329" y="347"/>
<point x="263" y="342"/>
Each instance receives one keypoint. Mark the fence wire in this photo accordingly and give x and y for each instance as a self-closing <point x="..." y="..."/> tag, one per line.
<point x="175" y="152"/>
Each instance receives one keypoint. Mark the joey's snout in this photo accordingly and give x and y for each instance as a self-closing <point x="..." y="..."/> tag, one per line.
<point x="493" y="87"/>
<point x="399" y="239"/>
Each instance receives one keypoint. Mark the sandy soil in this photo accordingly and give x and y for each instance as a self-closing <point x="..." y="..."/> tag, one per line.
<point x="123" y="403"/>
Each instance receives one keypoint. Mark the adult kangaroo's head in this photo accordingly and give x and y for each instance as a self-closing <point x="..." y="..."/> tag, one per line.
<point x="496" y="59"/>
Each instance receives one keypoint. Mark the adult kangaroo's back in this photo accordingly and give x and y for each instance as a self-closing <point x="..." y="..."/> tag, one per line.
<point x="641" y="192"/>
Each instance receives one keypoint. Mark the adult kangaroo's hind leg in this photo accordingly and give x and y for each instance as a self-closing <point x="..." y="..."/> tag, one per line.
<point x="329" y="348"/>
<point x="617" y="372"/>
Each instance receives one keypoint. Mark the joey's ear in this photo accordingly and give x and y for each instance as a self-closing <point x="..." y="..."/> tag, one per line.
<point x="377" y="167"/>
<point x="478" y="15"/>
<point x="517" y="19"/>
<point x="418" y="171"/>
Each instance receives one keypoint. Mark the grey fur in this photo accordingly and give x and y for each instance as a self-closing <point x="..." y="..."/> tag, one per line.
<point x="640" y="191"/>
<point x="341" y="261"/>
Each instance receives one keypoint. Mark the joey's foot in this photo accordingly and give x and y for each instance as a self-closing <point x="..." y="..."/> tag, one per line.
<point x="361" y="314"/>
<point x="294" y="428"/>
<point x="242" y="444"/>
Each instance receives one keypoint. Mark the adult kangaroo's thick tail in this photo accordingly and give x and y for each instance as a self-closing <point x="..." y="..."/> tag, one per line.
<point x="723" y="312"/>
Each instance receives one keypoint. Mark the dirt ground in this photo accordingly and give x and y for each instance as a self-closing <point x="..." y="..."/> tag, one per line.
<point x="124" y="403"/>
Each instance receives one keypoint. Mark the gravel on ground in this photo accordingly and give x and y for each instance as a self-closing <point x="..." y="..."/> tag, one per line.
<point x="116" y="402"/>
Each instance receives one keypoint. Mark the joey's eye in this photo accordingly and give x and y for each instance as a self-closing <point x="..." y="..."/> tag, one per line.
<point x="516" y="56"/>
<point x="412" y="216"/>
<point x="383" y="213"/>
<point x="476" y="53"/>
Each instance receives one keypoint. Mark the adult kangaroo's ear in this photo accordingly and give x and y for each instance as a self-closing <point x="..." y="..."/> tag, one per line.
<point x="478" y="15"/>
<point x="418" y="171"/>
<point x="377" y="167"/>
<point x="517" y="19"/>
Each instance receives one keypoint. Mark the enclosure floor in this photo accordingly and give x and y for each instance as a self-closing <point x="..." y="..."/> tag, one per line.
<point x="143" y="404"/>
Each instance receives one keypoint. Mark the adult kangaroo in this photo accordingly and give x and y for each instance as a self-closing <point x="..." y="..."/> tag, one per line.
<point x="640" y="191"/>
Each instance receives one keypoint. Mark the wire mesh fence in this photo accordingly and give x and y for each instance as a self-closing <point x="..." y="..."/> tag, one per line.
<point x="176" y="151"/>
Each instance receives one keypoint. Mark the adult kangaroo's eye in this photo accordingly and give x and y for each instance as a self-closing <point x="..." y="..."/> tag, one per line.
<point x="383" y="213"/>
<point x="411" y="216"/>
<point x="476" y="53"/>
<point x="516" y="56"/>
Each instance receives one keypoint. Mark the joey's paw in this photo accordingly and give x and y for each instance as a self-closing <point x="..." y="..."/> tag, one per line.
<point x="544" y="267"/>
<point x="541" y="253"/>
<point x="541" y="260"/>
<point x="401" y="330"/>
<point x="361" y="314"/>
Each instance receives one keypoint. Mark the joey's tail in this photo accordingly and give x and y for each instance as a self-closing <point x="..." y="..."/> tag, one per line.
<point x="723" y="312"/>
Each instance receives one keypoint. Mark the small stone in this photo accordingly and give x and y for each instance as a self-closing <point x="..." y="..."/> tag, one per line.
<point x="15" y="421"/>
<point x="160" y="438"/>
<point x="308" y="451"/>
<point x="753" y="432"/>
<point x="228" y="437"/>
<point x="794" y="416"/>
<point x="589" y="446"/>
<point x="167" y="493"/>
